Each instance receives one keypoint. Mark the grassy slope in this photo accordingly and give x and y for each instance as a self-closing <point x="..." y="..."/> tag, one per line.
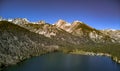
<point x="112" y="49"/>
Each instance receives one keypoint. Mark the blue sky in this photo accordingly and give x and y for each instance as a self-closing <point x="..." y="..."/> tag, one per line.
<point x="100" y="14"/>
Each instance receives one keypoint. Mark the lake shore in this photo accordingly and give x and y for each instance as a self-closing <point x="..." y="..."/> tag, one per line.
<point x="17" y="61"/>
<point x="95" y="54"/>
<point x="72" y="52"/>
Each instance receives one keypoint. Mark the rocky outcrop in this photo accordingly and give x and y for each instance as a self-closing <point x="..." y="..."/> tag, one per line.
<point x="63" y="25"/>
<point x="20" y="21"/>
<point x="116" y="59"/>
<point x="78" y="28"/>
<point x="41" y="22"/>
<point x="53" y="32"/>
<point x="114" y="34"/>
<point x="41" y="28"/>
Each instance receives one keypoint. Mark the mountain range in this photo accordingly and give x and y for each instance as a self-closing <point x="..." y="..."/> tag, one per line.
<point x="76" y="28"/>
<point x="21" y="39"/>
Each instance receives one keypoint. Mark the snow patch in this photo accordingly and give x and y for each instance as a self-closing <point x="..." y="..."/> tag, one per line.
<point x="78" y="21"/>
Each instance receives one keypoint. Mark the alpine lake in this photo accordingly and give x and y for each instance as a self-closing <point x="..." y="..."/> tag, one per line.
<point x="66" y="62"/>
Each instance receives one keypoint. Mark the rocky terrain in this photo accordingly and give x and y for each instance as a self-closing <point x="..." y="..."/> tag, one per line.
<point x="77" y="29"/>
<point x="115" y="34"/>
<point x="21" y="39"/>
<point x="80" y="29"/>
<point x="17" y="43"/>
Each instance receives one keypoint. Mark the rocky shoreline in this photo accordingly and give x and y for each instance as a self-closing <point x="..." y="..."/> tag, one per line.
<point x="76" y="52"/>
<point x="95" y="54"/>
<point x="18" y="60"/>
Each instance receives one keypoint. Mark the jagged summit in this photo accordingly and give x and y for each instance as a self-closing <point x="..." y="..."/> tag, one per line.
<point x="76" y="28"/>
<point x="76" y="21"/>
<point x="20" y="21"/>
<point x="62" y="24"/>
<point x="75" y="25"/>
<point x="40" y="22"/>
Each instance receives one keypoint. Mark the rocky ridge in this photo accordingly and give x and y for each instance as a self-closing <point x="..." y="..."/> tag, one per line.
<point x="115" y="34"/>
<point x="77" y="28"/>
<point x="80" y="29"/>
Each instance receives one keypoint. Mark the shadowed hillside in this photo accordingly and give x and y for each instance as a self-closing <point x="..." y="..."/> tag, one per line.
<point x="17" y="43"/>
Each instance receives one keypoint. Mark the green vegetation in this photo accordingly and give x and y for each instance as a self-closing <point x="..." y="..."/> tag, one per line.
<point x="113" y="49"/>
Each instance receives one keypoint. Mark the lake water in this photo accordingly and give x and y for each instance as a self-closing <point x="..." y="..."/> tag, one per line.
<point x="66" y="62"/>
